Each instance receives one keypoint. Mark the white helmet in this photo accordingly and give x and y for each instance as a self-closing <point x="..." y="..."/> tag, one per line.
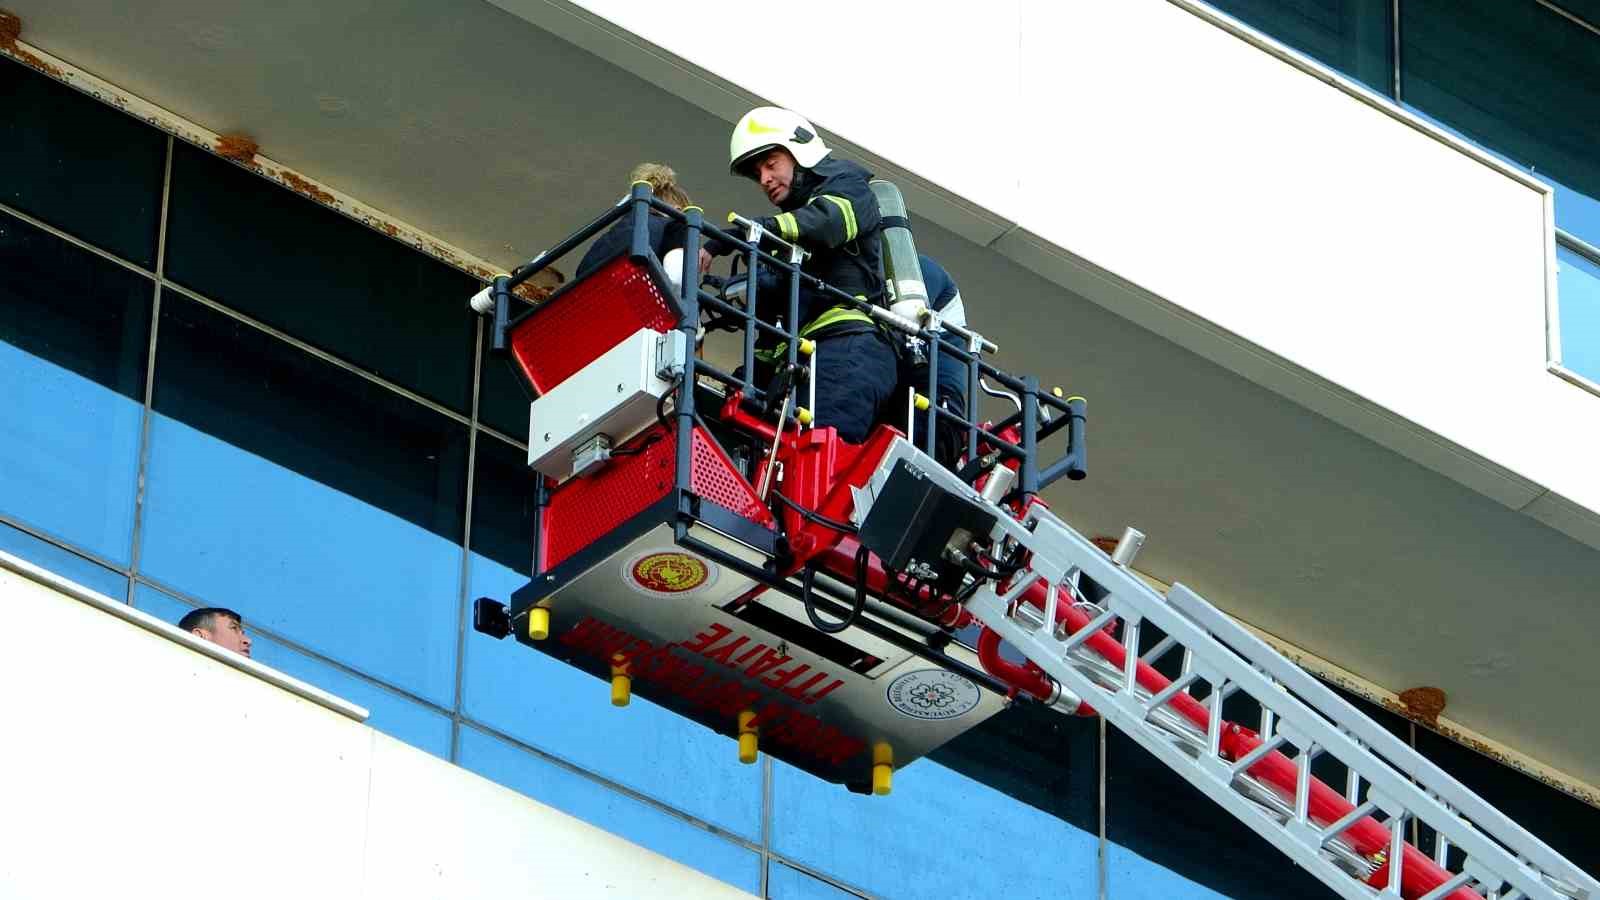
<point x="766" y="127"/>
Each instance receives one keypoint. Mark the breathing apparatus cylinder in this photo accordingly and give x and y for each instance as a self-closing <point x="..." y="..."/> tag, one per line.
<point x="908" y="294"/>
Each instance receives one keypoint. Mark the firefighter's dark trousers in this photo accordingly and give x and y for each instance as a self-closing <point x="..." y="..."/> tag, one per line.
<point x="856" y="374"/>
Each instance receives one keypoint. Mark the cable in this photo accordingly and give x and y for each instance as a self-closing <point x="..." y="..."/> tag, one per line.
<point x="816" y="517"/>
<point x="980" y="570"/>
<point x="860" y="603"/>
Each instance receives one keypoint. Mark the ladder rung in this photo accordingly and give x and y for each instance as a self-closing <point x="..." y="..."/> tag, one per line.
<point x="1354" y="816"/>
<point x="1254" y="756"/>
<point x="1170" y="691"/>
<point x="1444" y="890"/>
<point x="1160" y="649"/>
<point x="1088" y="631"/>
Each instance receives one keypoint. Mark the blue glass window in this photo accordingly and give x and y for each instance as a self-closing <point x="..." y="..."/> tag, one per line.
<point x="1578" y="286"/>
<point x="1352" y="36"/>
<point x="1130" y="876"/>
<point x="391" y="713"/>
<point x="1034" y="756"/>
<point x="502" y="401"/>
<point x="618" y="813"/>
<point x="325" y="508"/>
<point x="68" y="159"/>
<point x="70" y="566"/>
<point x="1517" y="77"/>
<point x="284" y="260"/>
<point x="72" y="375"/>
<point x="785" y="883"/>
<point x="940" y="834"/>
<point x="559" y="709"/>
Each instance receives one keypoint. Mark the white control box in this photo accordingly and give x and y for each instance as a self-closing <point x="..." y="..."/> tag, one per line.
<point x="614" y="396"/>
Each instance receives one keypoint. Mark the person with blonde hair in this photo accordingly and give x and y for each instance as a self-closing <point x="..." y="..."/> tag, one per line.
<point x="665" y="234"/>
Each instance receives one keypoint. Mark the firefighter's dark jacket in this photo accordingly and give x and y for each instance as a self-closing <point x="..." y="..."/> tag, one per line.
<point x="832" y="214"/>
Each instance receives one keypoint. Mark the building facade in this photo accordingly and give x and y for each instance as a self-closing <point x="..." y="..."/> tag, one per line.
<point x="226" y="393"/>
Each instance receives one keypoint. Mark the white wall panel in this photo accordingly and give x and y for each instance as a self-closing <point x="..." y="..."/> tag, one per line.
<point x="132" y="763"/>
<point x="440" y="832"/>
<point x="134" y="766"/>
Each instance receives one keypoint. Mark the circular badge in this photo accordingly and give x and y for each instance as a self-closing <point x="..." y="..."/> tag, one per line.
<point x="933" y="694"/>
<point x="668" y="573"/>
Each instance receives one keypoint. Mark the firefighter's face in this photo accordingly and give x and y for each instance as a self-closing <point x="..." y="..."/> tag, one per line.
<point x="775" y="173"/>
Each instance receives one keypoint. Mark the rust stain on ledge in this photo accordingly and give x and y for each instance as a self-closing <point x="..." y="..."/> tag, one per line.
<point x="237" y="146"/>
<point x="307" y="187"/>
<point x="10" y="32"/>
<point x="1424" y="704"/>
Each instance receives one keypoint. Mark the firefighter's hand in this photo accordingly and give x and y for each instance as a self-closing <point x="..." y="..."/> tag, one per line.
<point x="705" y="260"/>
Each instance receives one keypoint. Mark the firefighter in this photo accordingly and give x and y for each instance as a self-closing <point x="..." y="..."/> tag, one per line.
<point x="826" y="207"/>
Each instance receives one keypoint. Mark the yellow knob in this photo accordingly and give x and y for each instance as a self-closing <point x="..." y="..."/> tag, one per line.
<point x="621" y="681"/>
<point x="1057" y="393"/>
<point x="538" y="623"/>
<point x="882" y="769"/>
<point x="732" y="217"/>
<point x="882" y="780"/>
<point x="922" y="403"/>
<point x="748" y="739"/>
<point x="802" y="415"/>
<point x="807" y="345"/>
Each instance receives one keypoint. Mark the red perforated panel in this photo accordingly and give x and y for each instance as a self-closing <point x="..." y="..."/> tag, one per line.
<point x="587" y="319"/>
<point x="714" y="478"/>
<point x="584" y="509"/>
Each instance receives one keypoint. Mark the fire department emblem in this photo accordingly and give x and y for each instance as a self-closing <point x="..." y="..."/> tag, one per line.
<point x="933" y="694"/>
<point x="668" y="573"/>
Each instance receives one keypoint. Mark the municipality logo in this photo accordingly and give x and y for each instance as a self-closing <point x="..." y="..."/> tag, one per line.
<point x="668" y="573"/>
<point x="933" y="694"/>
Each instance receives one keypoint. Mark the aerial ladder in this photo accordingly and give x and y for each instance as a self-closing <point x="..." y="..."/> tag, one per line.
<point x="845" y="607"/>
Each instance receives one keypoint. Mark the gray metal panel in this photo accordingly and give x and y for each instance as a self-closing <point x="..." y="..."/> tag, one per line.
<point x="680" y="613"/>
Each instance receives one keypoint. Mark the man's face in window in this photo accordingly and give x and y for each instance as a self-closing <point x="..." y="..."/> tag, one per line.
<point x="226" y="632"/>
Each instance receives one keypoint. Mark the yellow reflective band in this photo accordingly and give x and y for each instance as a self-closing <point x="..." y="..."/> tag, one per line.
<point x="756" y="127"/>
<point x="788" y="228"/>
<point x="849" y="213"/>
<point x="834" y="316"/>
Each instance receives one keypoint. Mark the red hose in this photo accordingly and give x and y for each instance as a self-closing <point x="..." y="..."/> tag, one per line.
<point x="1019" y="677"/>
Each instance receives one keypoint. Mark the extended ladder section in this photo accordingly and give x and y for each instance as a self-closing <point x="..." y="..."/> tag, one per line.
<point x="1349" y="839"/>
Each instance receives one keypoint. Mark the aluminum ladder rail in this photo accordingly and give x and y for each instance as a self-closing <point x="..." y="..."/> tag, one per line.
<point x="1502" y="860"/>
